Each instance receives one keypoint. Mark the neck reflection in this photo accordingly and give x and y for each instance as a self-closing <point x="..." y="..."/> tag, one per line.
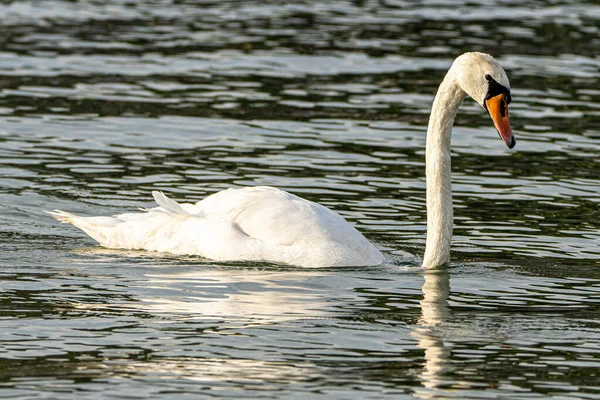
<point x="434" y="311"/>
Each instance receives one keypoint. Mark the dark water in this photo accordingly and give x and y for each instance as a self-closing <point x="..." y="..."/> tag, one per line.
<point x="103" y="102"/>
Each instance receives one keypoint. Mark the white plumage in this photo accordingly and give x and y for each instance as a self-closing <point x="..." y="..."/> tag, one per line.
<point x="250" y="224"/>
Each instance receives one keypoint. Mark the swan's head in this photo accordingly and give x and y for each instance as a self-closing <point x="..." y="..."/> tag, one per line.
<point x="482" y="78"/>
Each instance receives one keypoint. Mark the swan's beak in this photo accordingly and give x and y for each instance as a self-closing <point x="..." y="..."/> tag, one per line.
<point x="497" y="106"/>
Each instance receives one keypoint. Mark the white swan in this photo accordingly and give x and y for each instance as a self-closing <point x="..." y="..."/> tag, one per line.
<point x="269" y="224"/>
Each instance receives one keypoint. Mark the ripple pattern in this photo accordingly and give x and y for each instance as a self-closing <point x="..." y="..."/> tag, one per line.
<point x="103" y="102"/>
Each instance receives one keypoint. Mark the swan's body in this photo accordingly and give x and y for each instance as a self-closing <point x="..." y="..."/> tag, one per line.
<point x="253" y="224"/>
<point x="268" y="224"/>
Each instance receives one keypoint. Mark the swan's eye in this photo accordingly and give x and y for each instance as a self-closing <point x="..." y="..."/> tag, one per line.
<point x="488" y="77"/>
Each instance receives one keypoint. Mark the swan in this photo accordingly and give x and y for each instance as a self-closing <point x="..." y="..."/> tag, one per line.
<point x="268" y="224"/>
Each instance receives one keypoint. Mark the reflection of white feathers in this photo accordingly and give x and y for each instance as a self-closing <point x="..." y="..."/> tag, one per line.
<point x="224" y="293"/>
<point x="434" y="306"/>
<point x="250" y="224"/>
<point x="434" y="311"/>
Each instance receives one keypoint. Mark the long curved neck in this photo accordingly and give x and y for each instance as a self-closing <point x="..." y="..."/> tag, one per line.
<point x="437" y="160"/>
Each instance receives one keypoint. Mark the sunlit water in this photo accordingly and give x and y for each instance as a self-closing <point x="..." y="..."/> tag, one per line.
<point x="103" y="102"/>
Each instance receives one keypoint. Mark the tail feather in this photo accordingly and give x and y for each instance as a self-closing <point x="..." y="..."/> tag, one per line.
<point x="98" y="228"/>
<point x="168" y="204"/>
<point x="130" y="230"/>
<point x="62" y="216"/>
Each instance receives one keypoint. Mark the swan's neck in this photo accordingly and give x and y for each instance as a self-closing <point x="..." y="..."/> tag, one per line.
<point x="437" y="160"/>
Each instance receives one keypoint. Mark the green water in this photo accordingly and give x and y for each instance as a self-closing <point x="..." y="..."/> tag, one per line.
<point x="103" y="102"/>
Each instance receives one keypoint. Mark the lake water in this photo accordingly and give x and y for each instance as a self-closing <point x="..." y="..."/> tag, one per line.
<point x="104" y="101"/>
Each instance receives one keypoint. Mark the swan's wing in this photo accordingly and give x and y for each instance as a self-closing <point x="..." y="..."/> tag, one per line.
<point x="267" y="214"/>
<point x="275" y="216"/>
<point x="290" y="223"/>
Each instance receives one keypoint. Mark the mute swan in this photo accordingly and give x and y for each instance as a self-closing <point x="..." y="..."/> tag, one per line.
<point x="269" y="224"/>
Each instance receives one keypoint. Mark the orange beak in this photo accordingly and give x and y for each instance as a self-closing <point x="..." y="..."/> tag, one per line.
<point x="497" y="106"/>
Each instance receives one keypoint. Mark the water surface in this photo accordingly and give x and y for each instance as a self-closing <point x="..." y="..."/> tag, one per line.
<point x="103" y="102"/>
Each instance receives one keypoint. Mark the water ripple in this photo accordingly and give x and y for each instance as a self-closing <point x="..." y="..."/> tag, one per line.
<point x="101" y="103"/>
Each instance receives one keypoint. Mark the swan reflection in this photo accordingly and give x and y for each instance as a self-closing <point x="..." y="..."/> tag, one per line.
<point x="434" y="311"/>
<point x="251" y="296"/>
